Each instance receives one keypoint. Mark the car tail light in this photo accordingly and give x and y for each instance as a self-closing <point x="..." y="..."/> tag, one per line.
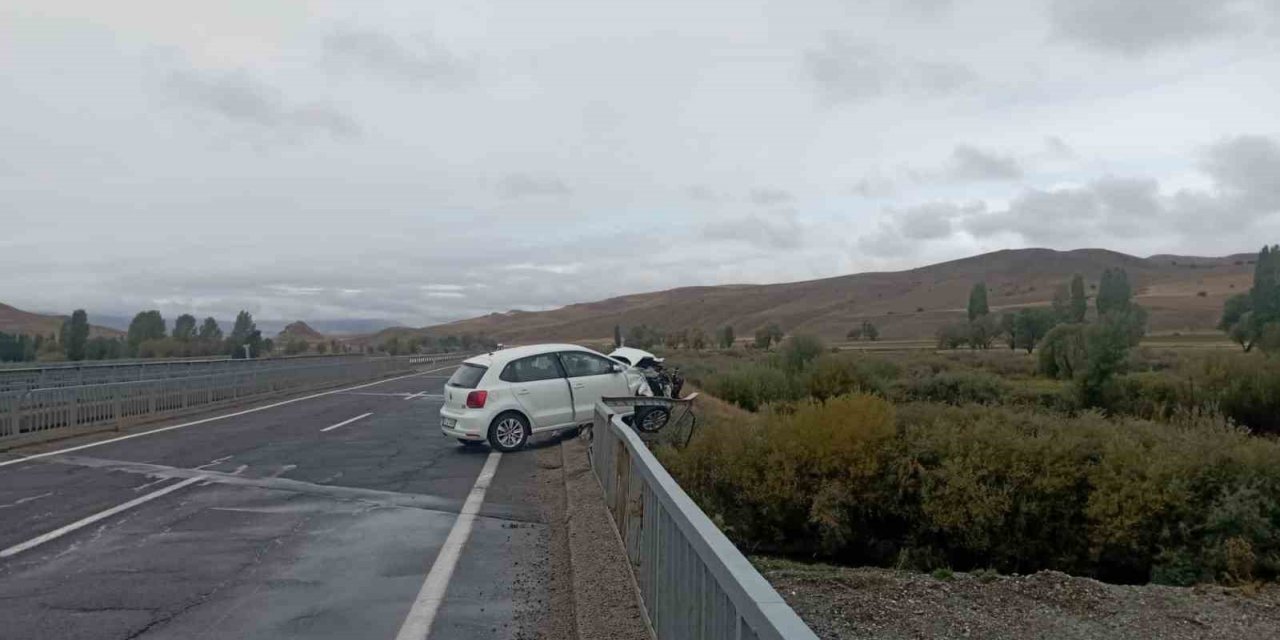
<point x="476" y="399"/>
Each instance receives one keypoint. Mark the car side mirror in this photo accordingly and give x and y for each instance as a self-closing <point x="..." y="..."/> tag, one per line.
<point x="617" y="368"/>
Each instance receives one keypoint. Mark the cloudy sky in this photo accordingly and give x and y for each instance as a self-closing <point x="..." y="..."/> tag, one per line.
<point x="425" y="161"/>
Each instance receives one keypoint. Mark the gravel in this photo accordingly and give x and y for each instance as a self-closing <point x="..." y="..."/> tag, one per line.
<point x="840" y="602"/>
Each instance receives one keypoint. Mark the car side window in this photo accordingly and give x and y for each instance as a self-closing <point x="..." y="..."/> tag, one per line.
<point x="578" y="364"/>
<point x="532" y="369"/>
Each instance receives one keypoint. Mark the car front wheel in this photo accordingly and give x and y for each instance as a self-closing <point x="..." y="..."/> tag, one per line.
<point x="509" y="432"/>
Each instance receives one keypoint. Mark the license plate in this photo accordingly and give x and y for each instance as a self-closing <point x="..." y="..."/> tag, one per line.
<point x="448" y="422"/>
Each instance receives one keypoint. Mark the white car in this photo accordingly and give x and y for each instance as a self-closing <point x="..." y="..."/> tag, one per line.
<point x="506" y="396"/>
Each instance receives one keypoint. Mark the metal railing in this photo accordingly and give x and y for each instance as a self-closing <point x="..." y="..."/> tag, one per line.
<point x="57" y="409"/>
<point x="51" y="375"/>
<point x="693" y="582"/>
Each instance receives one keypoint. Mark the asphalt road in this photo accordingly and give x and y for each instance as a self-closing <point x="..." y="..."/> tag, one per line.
<point x="265" y="525"/>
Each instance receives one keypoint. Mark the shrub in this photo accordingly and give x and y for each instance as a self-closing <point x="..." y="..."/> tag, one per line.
<point x="836" y="375"/>
<point x="1018" y="490"/>
<point x="798" y="351"/>
<point x="958" y="388"/>
<point x="754" y="385"/>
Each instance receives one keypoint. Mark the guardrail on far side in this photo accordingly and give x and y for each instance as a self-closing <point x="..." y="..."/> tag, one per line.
<point x="693" y="582"/>
<point x="60" y="410"/>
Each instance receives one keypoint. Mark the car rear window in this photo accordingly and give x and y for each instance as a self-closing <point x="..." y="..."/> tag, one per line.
<point x="467" y="376"/>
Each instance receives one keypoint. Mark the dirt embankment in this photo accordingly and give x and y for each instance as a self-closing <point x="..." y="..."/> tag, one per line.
<point x="846" y="603"/>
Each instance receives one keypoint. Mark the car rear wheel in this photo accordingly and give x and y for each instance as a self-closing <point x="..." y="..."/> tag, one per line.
<point x="509" y="432"/>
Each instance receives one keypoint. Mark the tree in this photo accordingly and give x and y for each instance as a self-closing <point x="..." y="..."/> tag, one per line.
<point x="768" y="335"/>
<point x="617" y="336"/>
<point x="1031" y="325"/>
<point x="184" y="328"/>
<point x="322" y="347"/>
<point x="295" y="346"/>
<point x="643" y="336"/>
<point x="146" y="325"/>
<point x="854" y="334"/>
<point x="243" y="327"/>
<point x="1062" y="302"/>
<point x="1009" y="327"/>
<point x="983" y="331"/>
<point x="725" y="337"/>
<point x="871" y="332"/>
<point x="953" y="336"/>
<point x="698" y="339"/>
<point x="978" y="301"/>
<point x="75" y="335"/>
<point x="798" y="351"/>
<point x="241" y="334"/>
<point x="1114" y="293"/>
<point x="209" y="330"/>
<point x="1079" y="300"/>
<point x="763" y="338"/>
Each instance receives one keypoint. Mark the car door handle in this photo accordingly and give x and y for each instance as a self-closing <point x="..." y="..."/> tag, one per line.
<point x="522" y="392"/>
<point x="579" y="385"/>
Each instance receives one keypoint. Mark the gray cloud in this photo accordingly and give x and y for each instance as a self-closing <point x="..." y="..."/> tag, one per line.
<point x="383" y="54"/>
<point x="933" y="220"/>
<point x="769" y="196"/>
<point x="240" y="98"/>
<point x="874" y="187"/>
<point x="780" y="230"/>
<point x="1134" y="27"/>
<point x="1247" y="170"/>
<point x="1056" y="147"/>
<point x="847" y="70"/>
<point x="701" y="193"/>
<point x="971" y="163"/>
<point x="523" y="185"/>
<point x="1245" y="190"/>
<point x="1110" y="205"/>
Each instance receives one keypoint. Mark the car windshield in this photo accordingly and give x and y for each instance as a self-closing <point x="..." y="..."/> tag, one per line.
<point x="467" y="376"/>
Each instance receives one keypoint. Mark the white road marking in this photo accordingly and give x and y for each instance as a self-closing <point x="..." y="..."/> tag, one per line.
<point x="417" y="625"/>
<point x="101" y="515"/>
<point x="36" y="456"/>
<point x="25" y="500"/>
<point x="346" y="422"/>
<point x="425" y="394"/>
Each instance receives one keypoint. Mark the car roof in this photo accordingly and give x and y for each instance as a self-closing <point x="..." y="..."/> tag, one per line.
<point x="503" y="356"/>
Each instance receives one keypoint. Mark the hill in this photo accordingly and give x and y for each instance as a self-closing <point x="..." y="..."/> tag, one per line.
<point x="299" y="330"/>
<point x="16" y="321"/>
<point x="1182" y="293"/>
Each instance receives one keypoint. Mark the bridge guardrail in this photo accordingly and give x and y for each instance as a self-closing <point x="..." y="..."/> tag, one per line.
<point x="85" y="373"/>
<point x="36" y="411"/>
<point x="693" y="582"/>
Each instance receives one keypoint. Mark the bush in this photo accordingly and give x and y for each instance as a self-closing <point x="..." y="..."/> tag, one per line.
<point x="1018" y="490"/>
<point x="798" y="351"/>
<point x="958" y="388"/>
<point x="753" y="386"/>
<point x="837" y="375"/>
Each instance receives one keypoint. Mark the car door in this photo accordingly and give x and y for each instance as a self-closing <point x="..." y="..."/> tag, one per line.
<point x="539" y="385"/>
<point x="592" y="377"/>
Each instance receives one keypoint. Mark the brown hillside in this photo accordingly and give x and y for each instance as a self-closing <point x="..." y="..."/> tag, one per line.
<point x="903" y="304"/>
<point x="17" y="321"/>
<point x="299" y="331"/>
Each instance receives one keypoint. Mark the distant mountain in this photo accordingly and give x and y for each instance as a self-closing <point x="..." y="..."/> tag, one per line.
<point x="299" y="330"/>
<point x="17" y="321"/>
<point x="1182" y="293"/>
